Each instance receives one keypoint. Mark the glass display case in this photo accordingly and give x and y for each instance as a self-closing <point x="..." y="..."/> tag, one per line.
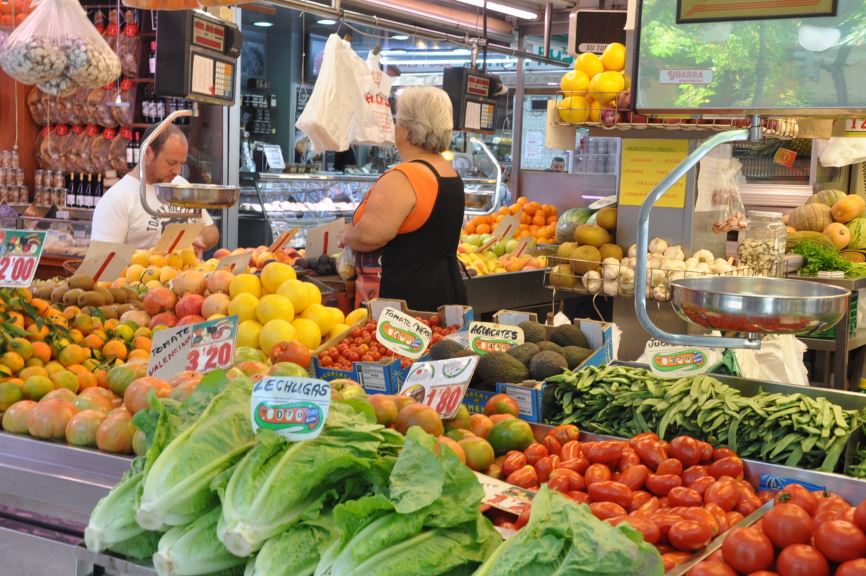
<point x="65" y="238"/>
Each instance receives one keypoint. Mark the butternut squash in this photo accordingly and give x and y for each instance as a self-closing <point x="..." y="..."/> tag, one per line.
<point x="814" y="217"/>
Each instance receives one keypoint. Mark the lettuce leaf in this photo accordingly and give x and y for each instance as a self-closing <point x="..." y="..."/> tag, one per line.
<point x="563" y="537"/>
<point x="194" y="549"/>
<point x="295" y="552"/>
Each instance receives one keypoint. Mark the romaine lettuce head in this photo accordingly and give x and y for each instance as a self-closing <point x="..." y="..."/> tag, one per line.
<point x="295" y="552"/>
<point x="194" y="549"/>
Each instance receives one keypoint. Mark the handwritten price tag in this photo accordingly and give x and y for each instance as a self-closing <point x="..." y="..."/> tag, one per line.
<point x="178" y="236"/>
<point x="486" y="337"/>
<point x="284" y="238"/>
<point x="505" y="230"/>
<point x="504" y="496"/>
<point x="855" y="127"/>
<point x="20" y="251"/>
<point x="293" y="407"/>
<point x="198" y="347"/>
<point x="402" y="334"/>
<point x="237" y="264"/>
<point x="440" y="384"/>
<point x="323" y="238"/>
<point x="105" y="260"/>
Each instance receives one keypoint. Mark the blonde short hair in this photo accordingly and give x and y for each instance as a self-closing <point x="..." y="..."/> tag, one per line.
<point x="426" y="115"/>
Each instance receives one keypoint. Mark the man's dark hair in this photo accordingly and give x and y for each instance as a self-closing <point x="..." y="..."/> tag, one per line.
<point x="158" y="142"/>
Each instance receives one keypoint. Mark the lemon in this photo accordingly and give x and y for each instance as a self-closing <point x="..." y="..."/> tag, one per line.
<point x="337" y="330"/>
<point x="589" y="64"/>
<point x="307" y="332"/>
<point x="150" y="273"/>
<point x="321" y="316"/>
<point x="574" y="83"/>
<point x="297" y="292"/>
<point x="573" y="109"/>
<point x="605" y="86"/>
<point x="244" y="307"/>
<point x="175" y="261"/>
<point x="140" y="257"/>
<point x="13" y="361"/>
<point x="248" y="333"/>
<point x="274" y="332"/>
<point x="613" y="57"/>
<point x="314" y="292"/>
<point x="157" y="260"/>
<point x="356" y="315"/>
<point x="275" y="307"/>
<point x="245" y="284"/>
<point x="594" y="111"/>
<point x="275" y="274"/>
<point x="216" y="316"/>
<point x="134" y="272"/>
<point x="187" y="255"/>
<point x="166" y="273"/>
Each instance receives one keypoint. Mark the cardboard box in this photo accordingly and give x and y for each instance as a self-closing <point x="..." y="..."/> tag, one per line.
<point x="386" y="376"/>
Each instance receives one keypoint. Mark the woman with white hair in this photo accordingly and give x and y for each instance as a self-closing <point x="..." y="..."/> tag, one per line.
<point x="414" y="212"/>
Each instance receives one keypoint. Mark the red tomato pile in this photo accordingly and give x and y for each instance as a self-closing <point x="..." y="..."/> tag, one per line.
<point x="361" y="346"/>
<point x="805" y="534"/>
<point x="679" y="494"/>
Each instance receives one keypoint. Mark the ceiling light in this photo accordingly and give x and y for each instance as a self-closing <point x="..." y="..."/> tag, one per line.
<point x="400" y="37"/>
<point x="263" y="24"/>
<point x="502" y="8"/>
<point x="326" y="22"/>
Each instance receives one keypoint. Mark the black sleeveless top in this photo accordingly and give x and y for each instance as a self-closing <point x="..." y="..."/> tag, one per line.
<point x="421" y="267"/>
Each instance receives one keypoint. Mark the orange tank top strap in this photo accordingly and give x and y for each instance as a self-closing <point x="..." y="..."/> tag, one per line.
<point x="426" y="187"/>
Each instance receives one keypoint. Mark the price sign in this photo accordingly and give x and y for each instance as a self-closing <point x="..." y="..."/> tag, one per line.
<point x="440" y="384"/>
<point x="294" y="407"/>
<point x="524" y="246"/>
<point x="486" y="337"/>
<point x="323" y="239"/>
<point x="274" y="157"/>
<point x="855" y="127"/>
<point x="105" y="260"/>
<point x="402" y="334"/>
<point x="504" y="496"/>
<point x="283" y="239"/>
<point x="20" y="251"/>
<point x="198" y="347"/>
<point x="237" y="264"/>
<point x="505" y="230"/>
<point x="178" y="236"/>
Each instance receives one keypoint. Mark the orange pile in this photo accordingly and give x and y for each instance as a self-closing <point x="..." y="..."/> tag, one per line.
<point x="536" y="220"/>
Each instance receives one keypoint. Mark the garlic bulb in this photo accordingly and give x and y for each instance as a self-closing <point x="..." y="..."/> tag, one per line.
<point x="704" y="256"/>
<point x="611" y="288"/>
<point x="611" y="267"/>
<point x="674" y="253"/>
<point x="657" y="246"/>
<point x="632" y="251"/>
<point x="592" y="281"/>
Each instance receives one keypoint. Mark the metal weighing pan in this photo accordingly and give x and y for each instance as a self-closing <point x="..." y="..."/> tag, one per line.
<point x="198" y="195"/>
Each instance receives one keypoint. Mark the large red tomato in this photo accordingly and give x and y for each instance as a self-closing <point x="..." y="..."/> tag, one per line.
<point x="801" y="560"/>
<point x="787" y="524"/>
<point x="748" y="550"/>
<point x="796" y="494"/>
<point x="840" y="540"/>
<point x="852" y="568"/>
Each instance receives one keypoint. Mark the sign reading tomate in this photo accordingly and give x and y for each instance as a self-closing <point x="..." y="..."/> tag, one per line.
<point x="20" y="251"/>
<point x="486" y="337"/>
<point x="293" y="407"/>
<point x="198" y="347"/>
<point x="402" y="334"/>
<point x="440" y="384"/>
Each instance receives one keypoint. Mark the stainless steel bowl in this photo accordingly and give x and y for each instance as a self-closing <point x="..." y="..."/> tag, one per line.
<point x="198" y="195"/>
<point x="759" y="305"/>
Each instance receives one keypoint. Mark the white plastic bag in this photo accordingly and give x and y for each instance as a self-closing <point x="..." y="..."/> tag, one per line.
<point x="327" y="118"/>
<point x="843" y="152"/>
<point x="57" y="48"/>
<point x="780" y="359"/>
<point x="374" y="123"/>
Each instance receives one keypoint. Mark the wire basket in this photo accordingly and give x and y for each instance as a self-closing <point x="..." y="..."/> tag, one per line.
<point x="609" y="279"/>
<point x="70" y="267"/>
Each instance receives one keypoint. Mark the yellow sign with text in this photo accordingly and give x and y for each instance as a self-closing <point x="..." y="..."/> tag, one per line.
<point x="644" y="164"/>
<point x="721" y="10"/>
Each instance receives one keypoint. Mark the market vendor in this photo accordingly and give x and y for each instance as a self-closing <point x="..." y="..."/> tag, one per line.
<point x="414" y="212"/>
<point x="120" y="217"/>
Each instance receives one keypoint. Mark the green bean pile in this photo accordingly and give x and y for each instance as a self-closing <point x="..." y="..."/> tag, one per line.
<point x="790" y="429"/>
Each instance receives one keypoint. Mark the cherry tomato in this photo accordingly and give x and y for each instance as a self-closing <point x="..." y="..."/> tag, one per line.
<point x="662" y="484"/>
<point x="606" y="452"/>
<point x="730" y="466"/>
<point x="709" y="568"/>
<point x="787" y="524"/>
<point x="703" y="516"/>
<point x="650" y="506"/>
<point x="852" y="568"/>
<point x="860" y="515"/>
<point x="596" y="473"/>
<point x="609" y="491"/>
<point x="670" y="466"/>
<point x="579" y="465"/>
<point x="523" y="519"/>
<point x="706" y="451"/>
<point x="797" y="494"/>
<point x="701" y="484"/>
<point x="535" y="452"/>
<point x="720" y="453"/>
<point x="570" y="450"/>
<point x="514" y="461"/>
<point x="543" y="469"/>
<point x="576" y="482"/>
<point x="634" y="477"/>
<point x="646" y="527"/>
<point x="525" y="477"/>
<point x="552" y="444"/>
<point x="689" y="535"/>
<point x="686" y="450"/>
<point x="560" y="484"/>
<point x="650" y="452"/>
<point x="748" y="550"/>
<point x="801" y="560"/>
<point x="629" y="458"/>
<point x="840" y="540"/>
<point x="605" y="510"/>
<point x="682" y="496"/>
<point x="672" y="559"/>
<point x="565" y="433"/>
<point x="724" y="493"/>
<point x="579" y="497"/>
<point x="692" y="473"/>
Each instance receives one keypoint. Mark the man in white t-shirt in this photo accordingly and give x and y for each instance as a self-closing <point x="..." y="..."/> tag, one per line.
<point x="120" y="217"/>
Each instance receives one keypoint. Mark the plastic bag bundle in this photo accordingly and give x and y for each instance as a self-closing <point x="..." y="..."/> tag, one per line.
<point x="719" y="181"/>
<point x="346" y="264"/>
<point x="59" y="50"/>
<point x="374" y="123"/>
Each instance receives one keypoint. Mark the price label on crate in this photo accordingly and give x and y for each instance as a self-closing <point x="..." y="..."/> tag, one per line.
<point x="486" y="337"/>
<point x="293" y="407"/>
<point x="440" y="384"/>
<point x="198" y="347"/>
<point x="785" y="157"/>
<point x="504" y="496"/>
<point x="402" y="334"/>
<point x="20" y="251"/>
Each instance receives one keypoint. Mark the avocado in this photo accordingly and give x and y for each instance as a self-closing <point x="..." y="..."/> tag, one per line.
<point x="533" y="331"/>
<point x="447" y="349"/>
<point x="546" y="364"/>
<point x="574" y="355"/>
<point x="524" y="352"/>
<point x="569" y="335"/>
<point x="500" y="367"/>
<point x="550" y="347"/>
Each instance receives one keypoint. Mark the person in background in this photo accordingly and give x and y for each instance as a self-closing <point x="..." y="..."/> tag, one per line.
<point x="119" y="216"/>
<point x="557" y="164"/>
<point x="414" y="212"/>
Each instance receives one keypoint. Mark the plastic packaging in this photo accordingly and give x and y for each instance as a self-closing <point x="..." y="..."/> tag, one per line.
<point x="762" y="247"/>
<point x="103" y="100"/>
<point x="346" y="264"/>
<point x="374" y="123"/>
<point x="125" y="113"/>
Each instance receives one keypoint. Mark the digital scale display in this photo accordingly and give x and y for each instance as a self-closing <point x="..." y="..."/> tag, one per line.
<point x="212" y="77"/>
<point x="207" y="34"/>
<point x="469" y="91"/>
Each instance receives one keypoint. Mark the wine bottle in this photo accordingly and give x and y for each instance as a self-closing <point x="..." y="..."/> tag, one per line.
<point x="70" y="191"/>
<point x="136" y="149"/>
<point x="79" y="194"/>
<point x="88" y="193"/>
<point x="130" y="153"/>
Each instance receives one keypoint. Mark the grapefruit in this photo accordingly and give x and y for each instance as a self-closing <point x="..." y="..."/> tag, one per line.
<point x="297" y="292"/>
<point x="248" y="333"/>
<point x="589" y="64"/>
<point x="308" y="332"/>
<point x="573" y="109"/>
<point x="274" y="332"/>
<point x="275" y="307"/>
<point x="613" y="57"/>
<point x="574" y="83"/>
<point x="244" y="306"/>
<point x="245" y="284"/>
<point x="275" y="274"/>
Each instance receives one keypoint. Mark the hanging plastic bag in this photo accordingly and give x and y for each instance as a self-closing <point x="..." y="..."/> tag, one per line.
<point x="728" y="204"/>
<point x="780" y="359"/>
<point x="346" y="264"/>
<point x="57" y="48"/>
<point x="374" y="123"/>
<point x="843" y="152"/>
<point x="327" y="118"/>
<point x="125" y="113"/>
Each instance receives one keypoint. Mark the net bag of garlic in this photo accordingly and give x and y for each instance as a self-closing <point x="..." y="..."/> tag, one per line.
<point x="58" y="49"/>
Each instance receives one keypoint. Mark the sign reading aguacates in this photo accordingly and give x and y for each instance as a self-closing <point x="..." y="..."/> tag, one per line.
<point x="293" y="407"/>
<point x="486" y="337"/>
<point x="402" y="334"/>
